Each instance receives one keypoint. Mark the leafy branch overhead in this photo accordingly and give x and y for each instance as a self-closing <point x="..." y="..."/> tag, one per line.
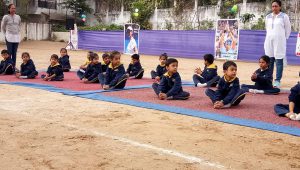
<point x="78" y="6"/>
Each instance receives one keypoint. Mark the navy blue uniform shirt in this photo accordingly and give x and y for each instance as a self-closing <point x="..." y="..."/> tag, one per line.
<point x="134" y="68"/>
<point x="113" y="74"/>
<point x="92" y="71"/>
<point x="171" y="85"/>
<point x="227" y="89"/>
<point x="28" y="68"/>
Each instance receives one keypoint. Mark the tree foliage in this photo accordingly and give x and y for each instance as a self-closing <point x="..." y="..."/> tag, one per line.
<point x="225" y="9"/>
<point x="260" y="25"/>
<point x="145" y="11"/>
<point x="245" y="18"/>
<point x="78" y="6"/>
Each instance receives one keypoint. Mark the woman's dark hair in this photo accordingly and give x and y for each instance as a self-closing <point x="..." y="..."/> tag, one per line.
<point x="265" y="58"/>
<point x="277" y="1"/>
<point x="9" y="6"/>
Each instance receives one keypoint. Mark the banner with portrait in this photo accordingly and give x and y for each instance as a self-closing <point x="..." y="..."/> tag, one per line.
<point x="131" y="38"/>
<point x="298" y="45"/>
<point x="227" y="39"/>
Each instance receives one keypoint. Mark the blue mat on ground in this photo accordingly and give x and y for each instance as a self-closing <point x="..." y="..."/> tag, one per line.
<point x="190" y="112"/>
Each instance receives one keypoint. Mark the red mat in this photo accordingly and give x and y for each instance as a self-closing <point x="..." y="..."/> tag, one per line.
<point x="254" y="106"/>
<point x="72" y="82"/>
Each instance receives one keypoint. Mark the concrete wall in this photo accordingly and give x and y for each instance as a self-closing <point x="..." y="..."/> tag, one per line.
<point x="60" y="36"/>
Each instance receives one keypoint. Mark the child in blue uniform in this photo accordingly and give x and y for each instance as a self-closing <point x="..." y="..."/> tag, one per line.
<point x="115" y="77"/>
<point x="27" y="68"/>
<point x="84" y="66"/>
<point x="54" y="71"/>
<point x="6" y="65"/>
<point x="170" y="86"/>
<point x="93" y="70"/>
<point x="263" y="79"/>
<point x="209" y="76"/>
<point x="161" y="68"/>
<point x="64" y="60"/>
<point x="292" y="110"/>
<point x="228" y="93"/>
<point x="104" y="66"/>
<point x="135" y="69"/>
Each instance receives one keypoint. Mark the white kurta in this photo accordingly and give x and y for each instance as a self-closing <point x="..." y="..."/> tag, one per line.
<point x="278" y="29"/>
<point x="11" y="27"/>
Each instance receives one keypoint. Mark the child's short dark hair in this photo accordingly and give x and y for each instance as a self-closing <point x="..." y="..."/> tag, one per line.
<point x="209" y="58"/>
<point x="265" y="58"/>
<point x="170" y="61"/>
<point x="165" y="55"/>
<point x="26" y="53"/>
<point x="135" y="56"/>
<point x="93" y="56"/>
<point x="105" y="55"/>
<point x="63" y="49"/>
<point x="4" y="52"/>
<point x="227" y="64"/>
<point x="54" y="56"/>
<point x="113" y="54"/>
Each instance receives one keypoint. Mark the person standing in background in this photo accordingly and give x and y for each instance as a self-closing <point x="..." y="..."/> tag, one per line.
<point x="11" y="27"/>
<point x="278" y="29"/>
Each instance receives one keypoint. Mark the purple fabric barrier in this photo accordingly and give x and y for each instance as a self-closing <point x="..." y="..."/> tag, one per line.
<point x="252" y="46"/>
<point x="189" y="44"/>
<point x="101" y="40"/>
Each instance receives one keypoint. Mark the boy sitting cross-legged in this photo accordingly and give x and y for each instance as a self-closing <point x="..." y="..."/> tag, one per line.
<point x="228" y="93"/>
<point x="170" y="86"/>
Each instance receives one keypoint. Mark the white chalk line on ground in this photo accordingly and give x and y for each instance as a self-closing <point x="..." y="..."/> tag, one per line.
<point x="189" y="158"/>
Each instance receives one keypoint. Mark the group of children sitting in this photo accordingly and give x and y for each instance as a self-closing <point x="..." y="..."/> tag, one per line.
<point x="111" y="74"/>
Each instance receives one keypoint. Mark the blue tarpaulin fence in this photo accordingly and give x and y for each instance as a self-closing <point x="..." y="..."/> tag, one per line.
<point x="188" y="44"/>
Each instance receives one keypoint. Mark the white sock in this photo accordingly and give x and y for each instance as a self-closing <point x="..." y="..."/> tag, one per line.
<point x="227" y="105"/>
<point x="251" y="91"/>
<point x="23" y="77"/>
<point x="201" y="85"/>
<point x="259" y="91"/>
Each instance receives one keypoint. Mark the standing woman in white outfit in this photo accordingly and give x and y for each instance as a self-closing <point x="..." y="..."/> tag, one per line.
<point x="11" y="26"/>
<point x="278" y="29"/>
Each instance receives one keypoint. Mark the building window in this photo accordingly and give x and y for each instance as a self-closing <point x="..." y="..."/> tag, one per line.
<point x="50" y="4"/>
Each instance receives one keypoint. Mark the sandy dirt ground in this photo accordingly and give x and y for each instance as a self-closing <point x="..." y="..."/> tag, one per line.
<point x="45" y="130"/>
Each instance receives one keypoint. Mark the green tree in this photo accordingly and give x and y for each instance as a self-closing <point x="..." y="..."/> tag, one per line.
<point x="2" y="9"/>
<point x="260" y="25"/>
<point x="246" y="18"/>
<point x="23" y="6"/>
<point x="225" y="9"/>
<point x="78" y="6"/>
<point x="145" y="11"/>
